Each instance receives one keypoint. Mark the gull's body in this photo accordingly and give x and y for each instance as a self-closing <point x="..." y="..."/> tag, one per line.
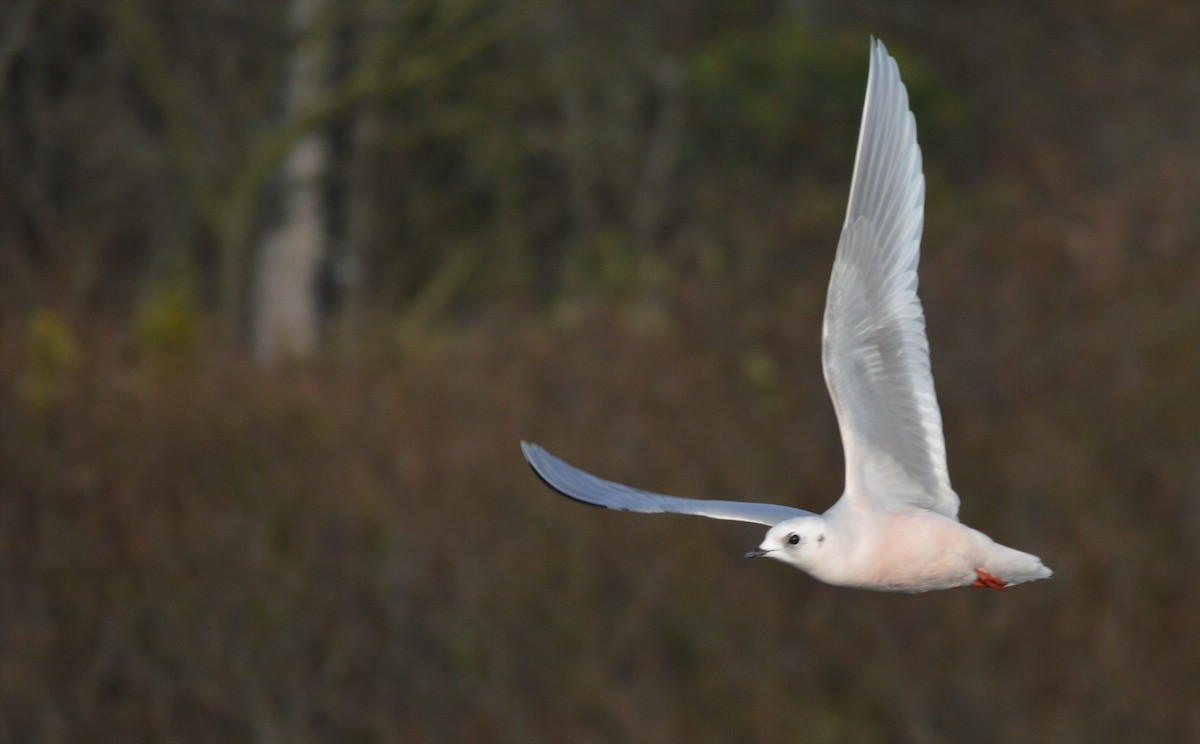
<point x="896" y="526"/>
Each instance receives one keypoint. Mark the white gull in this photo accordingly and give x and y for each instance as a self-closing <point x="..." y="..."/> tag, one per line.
<point x="896" y="526"/>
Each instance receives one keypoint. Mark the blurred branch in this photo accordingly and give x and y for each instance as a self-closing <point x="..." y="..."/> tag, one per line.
<point x="372" y="81"/>
<point x="149" y="61"/>
<point x="441" y="290"/>
<point x="230" y="210"/>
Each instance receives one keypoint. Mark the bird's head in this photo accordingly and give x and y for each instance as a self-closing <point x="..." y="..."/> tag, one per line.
<point x="798" y="541"/>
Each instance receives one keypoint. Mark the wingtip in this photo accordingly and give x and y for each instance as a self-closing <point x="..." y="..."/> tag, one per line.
<point x="881" y="57"/>
<point x="531" y="452"/>
<point x="542" y="462"/>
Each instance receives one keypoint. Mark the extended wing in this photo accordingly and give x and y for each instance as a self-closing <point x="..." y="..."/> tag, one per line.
<point x="875" y="353"/>
<point x="581" y="486"/>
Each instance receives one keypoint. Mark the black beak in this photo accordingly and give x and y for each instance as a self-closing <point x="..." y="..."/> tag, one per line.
<point x="756" y="553"/>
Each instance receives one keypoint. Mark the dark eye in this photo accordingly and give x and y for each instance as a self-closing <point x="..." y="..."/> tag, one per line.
<point x="793" y="539"/>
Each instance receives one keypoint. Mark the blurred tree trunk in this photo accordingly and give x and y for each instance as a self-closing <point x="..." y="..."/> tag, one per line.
<point x="361" y="224"/>
<point x="663" y="151"/>
<point x="284" y="315"/>
<point x="568" y="73"/>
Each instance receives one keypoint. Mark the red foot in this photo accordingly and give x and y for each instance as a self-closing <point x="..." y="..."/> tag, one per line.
<point x="987" y="580"/>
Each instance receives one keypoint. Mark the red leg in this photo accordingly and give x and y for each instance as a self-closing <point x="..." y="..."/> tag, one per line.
<point x="987" y="580"/>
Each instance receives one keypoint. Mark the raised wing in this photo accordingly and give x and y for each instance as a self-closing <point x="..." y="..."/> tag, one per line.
<point x="875" y="353"/>
<point x="576" y="484"/>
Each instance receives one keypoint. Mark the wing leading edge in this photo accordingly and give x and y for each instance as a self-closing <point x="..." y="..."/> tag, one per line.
<point x="582" y="486"/>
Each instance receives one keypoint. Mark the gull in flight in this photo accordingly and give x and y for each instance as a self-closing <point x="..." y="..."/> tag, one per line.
<point x="896" y="526"/>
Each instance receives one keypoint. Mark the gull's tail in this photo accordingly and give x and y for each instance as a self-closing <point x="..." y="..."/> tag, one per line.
<point x="1016" y="567"/>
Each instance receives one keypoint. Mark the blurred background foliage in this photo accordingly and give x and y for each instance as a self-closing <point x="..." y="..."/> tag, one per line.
<point x="607" y="227"/>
